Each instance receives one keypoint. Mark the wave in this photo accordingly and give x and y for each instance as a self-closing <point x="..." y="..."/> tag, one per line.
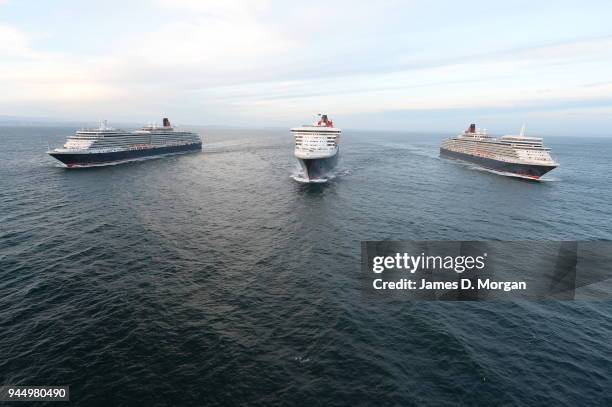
<point x="302" y="179"/>
<point x="504" y="173"/>
<point x="476" y="167"/>
<point x="299" y="176"/>
<point x="421" y="150"/>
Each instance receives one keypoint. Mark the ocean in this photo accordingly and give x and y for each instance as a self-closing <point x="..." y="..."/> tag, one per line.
<point x="217" y="279"/>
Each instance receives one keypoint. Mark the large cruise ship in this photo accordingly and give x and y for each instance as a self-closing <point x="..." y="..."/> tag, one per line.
<point x="105" y="145"/>
<point x="317" y="148"/>
<point x="519" y="156"/>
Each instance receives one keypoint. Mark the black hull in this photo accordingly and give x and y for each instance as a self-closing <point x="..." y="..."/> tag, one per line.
<point x="77" y="160"/>
<point x="318" y="169"/>
<point x="521" y="170"/>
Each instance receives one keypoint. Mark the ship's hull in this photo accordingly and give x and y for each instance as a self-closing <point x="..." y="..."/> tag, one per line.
<point x="79" y="160"/>
<point x="318" y="168"/>
<point x="529" y="171"/>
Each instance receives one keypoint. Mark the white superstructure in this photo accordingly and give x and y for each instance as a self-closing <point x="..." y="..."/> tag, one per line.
<point x="108" y="139"/>
<point x="319" y="140"/>
<point x="511" y="149"/>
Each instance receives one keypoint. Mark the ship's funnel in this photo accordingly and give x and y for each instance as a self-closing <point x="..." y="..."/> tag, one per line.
<point x="166" y="122"/>
<point x="472" y="128"/>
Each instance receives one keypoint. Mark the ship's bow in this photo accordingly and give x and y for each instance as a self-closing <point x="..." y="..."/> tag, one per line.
<point x="317" y="168"/>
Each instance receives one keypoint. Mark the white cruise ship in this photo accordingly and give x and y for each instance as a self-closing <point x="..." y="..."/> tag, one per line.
<point x="105" y="145"/>
<point x="518" y="156"/>
<point x="317" y="148"/>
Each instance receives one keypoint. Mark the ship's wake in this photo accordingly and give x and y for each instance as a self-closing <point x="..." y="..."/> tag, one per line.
<point x="476" y="167"/>
<point x="549" y="179"/>
<point x="299" y="176"/>
<point x="421" y="150"/>
<point x="507" y="174"/>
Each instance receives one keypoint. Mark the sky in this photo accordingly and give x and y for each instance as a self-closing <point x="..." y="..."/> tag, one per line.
<point x="392" y="65"/>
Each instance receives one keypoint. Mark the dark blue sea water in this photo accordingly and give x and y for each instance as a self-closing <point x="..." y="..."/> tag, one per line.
<point x="217" y="279"/>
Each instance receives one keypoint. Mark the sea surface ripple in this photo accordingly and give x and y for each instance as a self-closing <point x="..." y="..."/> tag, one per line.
<point x="217" y="279"/>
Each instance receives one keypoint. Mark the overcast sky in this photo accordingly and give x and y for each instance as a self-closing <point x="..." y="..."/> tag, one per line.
<point x="412" y="65"/>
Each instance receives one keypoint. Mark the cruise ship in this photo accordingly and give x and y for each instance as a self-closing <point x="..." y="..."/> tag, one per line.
<point x="106" y="145"/>
<point x="519" y="156"/>
<point x="317" y="148"/>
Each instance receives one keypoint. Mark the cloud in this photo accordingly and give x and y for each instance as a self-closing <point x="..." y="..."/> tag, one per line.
<point x="263" y="61"/>
<point x="29" y="77"/>
<point x="213" y="43"/>
<point x="213" y="8"/>
<point x="217" y="46"/>
<point x="511" y="79"/>
<point x="201" y="44"/>
<point x="13" y="42"/>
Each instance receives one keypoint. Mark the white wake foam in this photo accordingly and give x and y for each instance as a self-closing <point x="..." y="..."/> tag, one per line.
<point x="299" y="176"/>
<point x="505" y="174"/>
<point x="304" y="180"/>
